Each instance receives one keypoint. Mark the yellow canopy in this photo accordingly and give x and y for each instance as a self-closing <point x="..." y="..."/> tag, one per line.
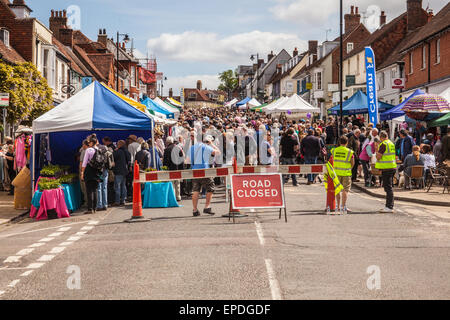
<point x="175" y="102"/>
<point x="134" y="103"/>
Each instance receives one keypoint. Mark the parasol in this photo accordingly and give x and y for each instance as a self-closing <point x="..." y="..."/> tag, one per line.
<point x="423" y="105"/>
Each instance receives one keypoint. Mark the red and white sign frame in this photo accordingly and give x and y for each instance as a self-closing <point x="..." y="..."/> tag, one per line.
<point x="258" y="207"/>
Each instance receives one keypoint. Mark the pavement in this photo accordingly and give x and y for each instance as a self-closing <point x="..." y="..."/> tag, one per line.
<point x="7" y="211"/>
<point x="362" y="255"/>
<point x="434" y="197"/>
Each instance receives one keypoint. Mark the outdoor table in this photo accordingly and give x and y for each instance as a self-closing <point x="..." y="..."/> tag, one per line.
<point x="159" y="195"/>
<point x="46" y="200"/>
<point x="72" y="196"/>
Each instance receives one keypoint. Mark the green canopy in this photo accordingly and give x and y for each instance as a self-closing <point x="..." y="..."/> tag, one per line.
<point x="259" y="107"/>
<point x="172" y="105"/>
<point x="441" y="122"/>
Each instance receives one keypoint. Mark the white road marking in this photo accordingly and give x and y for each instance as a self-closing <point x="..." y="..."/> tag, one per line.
<point x="81" y="233"/>
<point x="46" y="239"/>
<point x="63" y="229"/>
<point x="65" y="243"/>
<point x="87" y="228"/>
<point x="35" y="265"/>
<point x="46" y="257"/>
<point x="35" y="245"/>
<point x="93" y="222"/>
<point x="13" y="283"/>
<point x="56" y="234"/>
<point x="274" y="285"/>
<point x="37" y="230"/>
<point x="260" y="234"/>
<point x="57" y="250"/>
<point x="24" y="252"/>
<point x="73" y="238"/>
<point x="12" y="259"/>
<point x="26" y="273"/>
<point x="1" y="293"/>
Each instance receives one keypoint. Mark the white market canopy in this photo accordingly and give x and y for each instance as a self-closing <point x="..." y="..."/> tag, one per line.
<point x="231" y="103"/>
<point x="165" y="106"/>
<point x="294" y="104"/>
<point x="93" y="108"/>
<point x="253" y="103"/>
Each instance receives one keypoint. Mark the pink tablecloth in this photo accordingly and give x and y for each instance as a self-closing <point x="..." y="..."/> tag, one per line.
<point x="51" y="199"/>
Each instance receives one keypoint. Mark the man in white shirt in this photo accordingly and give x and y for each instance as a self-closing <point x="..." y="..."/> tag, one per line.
<point x="134" y="147"/>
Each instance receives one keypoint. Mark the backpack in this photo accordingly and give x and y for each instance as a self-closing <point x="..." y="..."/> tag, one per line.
<point x="110" y="164"/>
<point x="100" y="159"/>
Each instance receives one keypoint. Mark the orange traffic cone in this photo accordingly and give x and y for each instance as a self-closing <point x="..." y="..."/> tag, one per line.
<point x="137" y="198"/>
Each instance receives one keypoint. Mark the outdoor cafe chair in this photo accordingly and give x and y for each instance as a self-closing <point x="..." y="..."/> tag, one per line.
<point x="417" y="173"/>
<point x="437" y="175"/>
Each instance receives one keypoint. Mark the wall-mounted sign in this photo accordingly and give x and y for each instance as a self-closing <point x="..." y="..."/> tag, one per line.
<point x="309" y="86"/>
<point x="85" y="81"/>
<point x="4" y="99"/>
<point x="398" y="83"/>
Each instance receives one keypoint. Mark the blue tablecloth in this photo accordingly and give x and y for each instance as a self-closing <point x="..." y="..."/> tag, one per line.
<point x="72" y="195"/>
<point x="159" y="195"/>
<point x="36" y="201"/>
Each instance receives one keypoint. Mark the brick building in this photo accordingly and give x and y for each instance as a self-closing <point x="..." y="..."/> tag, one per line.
<point x="199" y="97"/>
<point x="426" y="55"/>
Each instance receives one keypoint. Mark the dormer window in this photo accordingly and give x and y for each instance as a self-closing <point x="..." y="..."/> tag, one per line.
<point x="4" y="36"/>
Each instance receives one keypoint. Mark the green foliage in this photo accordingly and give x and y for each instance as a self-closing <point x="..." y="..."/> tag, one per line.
<point x="48" y="184"/>
<point x="150" y="169"/>
<point x="228" y="80"/>
<point x="164" y="168"/>
<point x="52" y="171"/>
<point x="68" y="178"/>
<point x="30" y="95"/>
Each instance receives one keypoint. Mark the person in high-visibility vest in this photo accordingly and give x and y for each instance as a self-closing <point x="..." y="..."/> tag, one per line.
<point x="343" y="162"/>
<point x="387" y="163"/>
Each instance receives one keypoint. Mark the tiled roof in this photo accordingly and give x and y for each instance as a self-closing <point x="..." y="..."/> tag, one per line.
<point x="89" y="64"/>
<point x="396" y="54"/>
<point x="80" y="38"/>
<point x="378" y="34"/>
<point x="9" y="54"/>
<point x="76" y="64"/>
<point x="438" y="23"/>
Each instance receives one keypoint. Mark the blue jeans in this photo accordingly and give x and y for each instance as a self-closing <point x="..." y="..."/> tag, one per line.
<point x="102" y="191"/>
<point x="285" y="176"/>
<point x="120" y="188"/>
<point x="311" y="160"/>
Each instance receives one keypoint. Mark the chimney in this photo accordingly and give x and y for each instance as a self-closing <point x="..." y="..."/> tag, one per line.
<point x="170" y="93"/>
<point x="270" y="56"/>
<point x="417" y="17"/>
<point x="295" y="53"/>
<point x="312" y="46"/>
<point x="66" y="37"/>
<point x="352" y="20"/>
<point x="430" y="15"/>
<point x="58" y="21"/>
<point x="382" y="19"/>
<point x="260" y="62"/>
<point x="199" y="85"/>
<point x="102" y="37"/>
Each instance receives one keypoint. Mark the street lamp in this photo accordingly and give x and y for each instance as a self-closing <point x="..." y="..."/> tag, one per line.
<point x="252" y="57"/>
<point x="125" y="39"/>
<point x="341" y="68"/>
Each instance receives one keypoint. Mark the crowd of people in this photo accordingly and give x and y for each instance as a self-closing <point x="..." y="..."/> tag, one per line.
<point x="207" y="137"/>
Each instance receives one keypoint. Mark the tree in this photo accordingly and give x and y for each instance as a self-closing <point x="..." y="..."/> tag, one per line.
<point x="229" y="81"/>
<point x="29" y="94"/>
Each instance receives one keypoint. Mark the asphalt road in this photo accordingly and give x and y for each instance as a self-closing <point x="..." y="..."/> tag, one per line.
<point x="363" y="255"/>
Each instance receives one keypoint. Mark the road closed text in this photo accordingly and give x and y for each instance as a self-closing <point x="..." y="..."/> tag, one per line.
<point x="257" y="191"/>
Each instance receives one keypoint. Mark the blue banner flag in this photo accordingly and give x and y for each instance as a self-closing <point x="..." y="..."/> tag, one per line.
<point x="371" y="81"/>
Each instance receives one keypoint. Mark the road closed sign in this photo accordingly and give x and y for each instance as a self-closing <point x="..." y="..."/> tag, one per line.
<point x="257" y="191"/>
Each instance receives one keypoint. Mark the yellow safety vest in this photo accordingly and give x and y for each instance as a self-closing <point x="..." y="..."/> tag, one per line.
<point x="387" y="161"/>
<point x="342" y="157"/>
<point x="330" y="173"/>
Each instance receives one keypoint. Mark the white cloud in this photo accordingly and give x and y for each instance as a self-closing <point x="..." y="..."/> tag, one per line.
<point x="315" y="13"/>
<point x="176" y="83"/>
<point x="235" y="49"/>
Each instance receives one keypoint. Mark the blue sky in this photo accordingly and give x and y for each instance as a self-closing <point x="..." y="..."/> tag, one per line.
<point x="197" y="39"/>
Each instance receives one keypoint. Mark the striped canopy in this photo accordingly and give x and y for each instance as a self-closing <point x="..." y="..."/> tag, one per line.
<point x="427" y="103"/>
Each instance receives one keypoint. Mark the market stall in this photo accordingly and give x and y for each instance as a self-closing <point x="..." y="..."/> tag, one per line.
<point x="58" y="134"/>
<point x="153" y="106"/>
<point x="357" y="104"/>
<point x="293" y="104"/>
